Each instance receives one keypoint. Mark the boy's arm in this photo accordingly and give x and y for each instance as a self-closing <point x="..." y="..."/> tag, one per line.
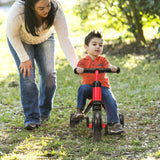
<point x="113" y="68"/>
<point x="80" y="70"/>
<point x="109" y="65"/>
<point x="80" y="66"/>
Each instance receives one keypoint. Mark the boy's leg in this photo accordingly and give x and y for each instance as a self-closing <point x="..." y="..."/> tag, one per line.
<point x="111" y="110"/>
<point x="84" y="92"/>
<point x="110" y="105"/>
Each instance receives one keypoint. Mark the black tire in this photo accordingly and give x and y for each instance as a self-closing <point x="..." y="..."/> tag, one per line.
<point x="106" y="129"/>
<point x="87" y="121"/>
<point x="72" y="121"/>
<point x="97" y="125"/>
<point x="121" y="119"/>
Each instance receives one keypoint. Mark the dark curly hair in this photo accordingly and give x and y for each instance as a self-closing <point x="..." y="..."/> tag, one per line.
<point x="91" y="35"/>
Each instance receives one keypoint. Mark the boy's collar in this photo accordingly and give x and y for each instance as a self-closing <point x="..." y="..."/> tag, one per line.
<point x="92" y="57"/>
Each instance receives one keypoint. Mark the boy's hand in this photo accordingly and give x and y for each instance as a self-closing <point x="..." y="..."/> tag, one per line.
<point x="80" y="70"/>
<point x="113" y="68"/>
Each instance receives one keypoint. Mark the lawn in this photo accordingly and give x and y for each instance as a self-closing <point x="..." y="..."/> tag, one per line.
<point x="136" y="88"/>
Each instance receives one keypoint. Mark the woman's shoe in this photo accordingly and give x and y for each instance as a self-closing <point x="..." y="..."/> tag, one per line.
<point x="30" y="126"/>
<point x="44" y="119"/>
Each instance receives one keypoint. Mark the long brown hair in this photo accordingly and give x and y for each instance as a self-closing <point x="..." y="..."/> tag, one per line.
<point x="30" y="19"/>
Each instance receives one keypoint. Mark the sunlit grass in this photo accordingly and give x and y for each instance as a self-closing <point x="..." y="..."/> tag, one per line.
<point x="3" y="18"/>
<point x="7" y="64"/>
<point x="133" y="61"/>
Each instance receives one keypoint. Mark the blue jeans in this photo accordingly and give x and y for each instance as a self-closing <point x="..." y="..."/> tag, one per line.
<point x="85" y="91"/>
<point x="38" y="102"/>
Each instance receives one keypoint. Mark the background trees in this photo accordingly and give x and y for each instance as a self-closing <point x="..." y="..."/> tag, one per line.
<point x="130" y="15"/>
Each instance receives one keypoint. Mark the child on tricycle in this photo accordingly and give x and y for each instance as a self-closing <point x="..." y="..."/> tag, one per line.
<point x="93" y="59"/>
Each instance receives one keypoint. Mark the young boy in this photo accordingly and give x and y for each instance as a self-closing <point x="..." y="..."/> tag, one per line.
<point x="94" y="47"/>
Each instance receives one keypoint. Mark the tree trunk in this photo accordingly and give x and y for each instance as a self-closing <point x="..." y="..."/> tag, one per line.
<point x="138" y="31"/>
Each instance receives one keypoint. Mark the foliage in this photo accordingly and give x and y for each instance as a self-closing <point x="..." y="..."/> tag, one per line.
<point x="130" y="14"/>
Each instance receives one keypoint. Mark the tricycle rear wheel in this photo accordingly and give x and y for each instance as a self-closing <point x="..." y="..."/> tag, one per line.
<point x="121" y="119"/>
<point x="72" y="121"/>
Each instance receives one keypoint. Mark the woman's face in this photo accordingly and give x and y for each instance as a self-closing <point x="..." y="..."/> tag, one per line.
<point x="42" y="8"/>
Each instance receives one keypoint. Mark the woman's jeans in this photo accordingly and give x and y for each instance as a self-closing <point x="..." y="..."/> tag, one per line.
<point x="85" y="91"/>
<point x="38" y="102"/>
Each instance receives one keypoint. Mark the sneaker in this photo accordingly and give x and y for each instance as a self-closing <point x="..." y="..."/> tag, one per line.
<point x="116" y="128"/>
<point x="30" y="126"/>
<point x="79" y="113"/>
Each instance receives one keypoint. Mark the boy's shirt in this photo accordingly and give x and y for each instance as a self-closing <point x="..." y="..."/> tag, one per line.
<point x="98" y="62"/>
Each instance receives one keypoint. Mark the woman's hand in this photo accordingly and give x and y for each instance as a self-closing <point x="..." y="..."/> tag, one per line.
<point x="25" y="68"/>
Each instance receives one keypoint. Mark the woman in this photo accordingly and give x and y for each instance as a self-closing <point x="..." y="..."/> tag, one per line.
<point x="30" y="33"/>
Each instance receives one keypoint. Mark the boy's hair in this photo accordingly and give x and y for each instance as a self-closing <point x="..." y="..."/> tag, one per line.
<point x="91" y="35"/>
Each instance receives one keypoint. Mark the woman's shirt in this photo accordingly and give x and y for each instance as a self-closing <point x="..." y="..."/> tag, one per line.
<point x="16" y="33"/>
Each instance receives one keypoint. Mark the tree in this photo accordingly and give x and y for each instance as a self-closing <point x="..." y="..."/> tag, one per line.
<point x="127" y="12"/>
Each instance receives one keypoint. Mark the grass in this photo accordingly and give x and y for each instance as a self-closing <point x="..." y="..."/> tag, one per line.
<point x="136" y="89"/>
<point x="137" y="92"/>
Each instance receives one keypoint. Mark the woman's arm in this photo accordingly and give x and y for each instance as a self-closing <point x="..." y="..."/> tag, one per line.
<point x="14" y="22"/>
<point x="61" y="28"/>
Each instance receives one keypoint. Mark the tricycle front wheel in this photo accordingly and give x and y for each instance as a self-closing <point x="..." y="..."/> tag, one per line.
<point x="97" y="125"/>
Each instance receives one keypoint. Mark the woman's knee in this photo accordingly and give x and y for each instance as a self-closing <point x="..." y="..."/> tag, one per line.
<point x="51" y="79"/>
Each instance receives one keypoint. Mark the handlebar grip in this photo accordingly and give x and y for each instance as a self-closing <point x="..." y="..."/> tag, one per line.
<point x="101" y="70"/>
<point x="75" y="71"/>
<point x="118" y="70"/>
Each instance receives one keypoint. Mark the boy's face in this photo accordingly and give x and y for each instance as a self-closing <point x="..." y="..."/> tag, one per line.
<point x="95" y="47"/>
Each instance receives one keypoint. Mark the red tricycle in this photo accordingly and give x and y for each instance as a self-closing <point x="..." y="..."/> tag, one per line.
<point x="96" y="105"/>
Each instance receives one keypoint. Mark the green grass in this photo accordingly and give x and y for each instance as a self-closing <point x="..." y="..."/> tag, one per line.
<point x="136" y="88"/>
<point x="137" y="92"/>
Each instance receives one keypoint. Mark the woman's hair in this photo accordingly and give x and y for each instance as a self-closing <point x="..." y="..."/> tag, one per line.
<point x="30" y="19"/>
<point x="91" y="35"/>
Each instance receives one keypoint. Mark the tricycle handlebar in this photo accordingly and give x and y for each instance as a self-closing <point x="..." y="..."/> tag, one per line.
<point x="101" y="70"/>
